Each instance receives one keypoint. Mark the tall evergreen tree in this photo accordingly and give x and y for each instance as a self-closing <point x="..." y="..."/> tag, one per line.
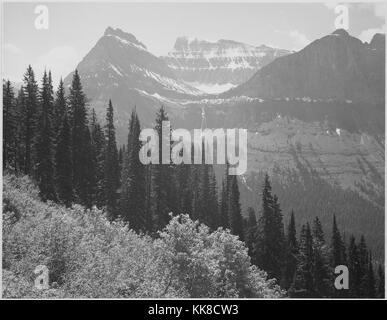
<point x="338" y="247"/>
<point x="60" y="107"/>
<point x="163" y="181"/>
<point x="279" y="238"/>
<point x="371" y="285"/>
<point x="44" y="146"/>
<point x="184" y="188"/>
<point x="321" y="271"/>
<point x="234" y="209"/>
<point x="30" y="119"/>
<point x="121" y="158"/>
<point x="354" y="268"/>
<point x="112" y="167"/>
<point x="9" y="125"/>
<point x="271" y="255"/>
<point x="251" y="235"/>
<point x="338" y="254"/>
<point x="98" y="165"/>
<point x="133" y="193"/>
<point x="303" y="281"/>
<point x="81" y="143"/>
<point x="363" y="267"/>
<point x="213" y="197"/>
<point x="223" y="207"/>
<point x="148" y="198"/>
<point x="207" y="196"/>
<point x="291" y="252"/>
<point x="63" y="164"/>
<point x="20" y="149"/>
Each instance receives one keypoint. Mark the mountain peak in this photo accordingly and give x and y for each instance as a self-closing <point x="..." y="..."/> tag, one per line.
<point x="184" y="42"/>
<point x="337" y="66"/>
<point x="121" y="35"/>
<point x="340" y="32"/>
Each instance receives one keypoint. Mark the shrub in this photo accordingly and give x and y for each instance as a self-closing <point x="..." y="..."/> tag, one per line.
<point x="91" y="257"/>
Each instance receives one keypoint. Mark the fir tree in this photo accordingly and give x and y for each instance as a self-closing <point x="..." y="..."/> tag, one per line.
<point x="338" y="248"/>
<point x="9" y="125"/>
<point x="163" y="181"/>
<point x="363" y="267"/>
<point x="20" y="149"/>
<point x="234" y="209"/>
<point x="354" y="268"/>
<point x="279" y="239"/>
<point x="63" y="164"/>
<point x="338" y="254"/>
<point x="207" y="196"/>
<point x="223" y="207"/>
<point x="184" y="188"/>
<point x="81" y="143"/>
<point x="44" y="146"/>
<point x="303" y="281"/>
<point x="291" y="252"/>
<point x="30" y="119"/>
<point x="251" y="234"/>
<point x="60" y="107"/>
<point x="133" y="194"/>
<point x="213" y="204"/>
<point x="112" y="169"/>
<point x="371" y="285"/>
<point x="321" y="272"/>
<point x="271" y="252"/>
<point x="98" y="165"/>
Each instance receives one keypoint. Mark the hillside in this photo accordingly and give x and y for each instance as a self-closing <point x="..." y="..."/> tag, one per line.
<point x="90" y="257"/>
<point x="335" y="67"/>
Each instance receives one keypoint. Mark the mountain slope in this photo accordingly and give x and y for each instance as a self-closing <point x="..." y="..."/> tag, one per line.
<point x="119" y="67"/>
<point x="337" y="66"/>
<point x="217" y="66"/>
<point x="315" y="113"/>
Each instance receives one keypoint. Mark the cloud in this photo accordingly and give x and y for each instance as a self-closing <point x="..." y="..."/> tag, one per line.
<point x="367" y="35"/>
<point x="299" y="40"/>
<point x="60" y="60"/>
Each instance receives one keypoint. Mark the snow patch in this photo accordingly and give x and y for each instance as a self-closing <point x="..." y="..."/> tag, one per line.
<point x="115" y="69"/>
<point x="212" y="88"/>
<point x="126" y="42"/>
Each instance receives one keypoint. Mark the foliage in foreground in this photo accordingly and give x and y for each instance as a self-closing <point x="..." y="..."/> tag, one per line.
<point x="89" y="256"/>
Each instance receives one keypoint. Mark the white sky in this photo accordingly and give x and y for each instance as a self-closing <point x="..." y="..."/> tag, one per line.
<point x="74" y="28"/>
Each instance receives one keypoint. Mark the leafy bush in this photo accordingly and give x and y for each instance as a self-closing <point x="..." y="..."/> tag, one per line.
<point x="90" y="257"/>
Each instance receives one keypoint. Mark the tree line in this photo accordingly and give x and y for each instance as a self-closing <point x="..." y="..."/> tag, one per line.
<point x="60" y="143"/>
<point x="305" y="265"/>
<point x="56" y="141"/>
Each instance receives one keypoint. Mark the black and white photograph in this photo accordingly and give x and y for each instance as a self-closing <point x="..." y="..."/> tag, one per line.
<point x="193" y="150"/>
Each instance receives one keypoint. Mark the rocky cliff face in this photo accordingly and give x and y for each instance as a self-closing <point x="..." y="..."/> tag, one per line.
<point x="322" y="107"/>
<point x="217" y="66"/>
